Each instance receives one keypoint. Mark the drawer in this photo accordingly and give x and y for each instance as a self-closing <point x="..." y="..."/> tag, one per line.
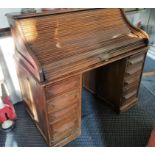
<point x="64" y="127"/>
<point x="64" y="100"/>
<point x="127" y="95"/>
<point x="130" y="100"/>
<point x="61" y="87"/>
<point x="131" y="80"/>
<point x="133" y="85"/>
<point x="133" y="69"/>
<point x="139" y="58"/>
<point x="57" y="116"/>
<point x="132" y="76"/>
<point x="126" y="105"/>
<point x="131" y="89"/>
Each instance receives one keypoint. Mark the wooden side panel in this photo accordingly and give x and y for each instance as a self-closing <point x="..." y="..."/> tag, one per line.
<point x="89" y="80"/>
<point x="109" y="83"/>
<point x="64" y="110"/>
<point x="34" y="97"/>
<point x="25" y="55"/>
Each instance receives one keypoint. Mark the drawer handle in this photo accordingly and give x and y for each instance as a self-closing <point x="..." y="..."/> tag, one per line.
<point x="104" y="57"/>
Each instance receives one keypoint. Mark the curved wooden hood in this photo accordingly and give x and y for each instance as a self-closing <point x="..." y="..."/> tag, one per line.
<point x="58" y="43"/>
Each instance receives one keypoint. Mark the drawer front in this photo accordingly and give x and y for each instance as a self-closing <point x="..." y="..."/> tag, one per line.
<point x="64" y="100"/>
<point x="130" y="100"/>
<point x="56" y="116"/>
<point x="128" y="104"/>
<point x="135" y="59"/>
<point x="134" y="69"/>
<point x="64" y="123"/>
<point x="130" y="88"/>
<point x="60" y="87"/>
<point x="64" y="108"/>
<point x="132" y="79"/>
<point x="129" y="94"/>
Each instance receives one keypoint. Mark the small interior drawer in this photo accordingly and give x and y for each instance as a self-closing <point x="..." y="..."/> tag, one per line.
<point x="129" y="94"/>
<point x="127" y="104"/>
<point x="127" y="87"/>
<point x="136" y="59"/>
<point x="129" y="100"/>
<point x="134" y="68"/>
<point x="131" y="80"/>
<point x="132" y="76"/>
<point x="62" y="101"/>
<point x="130" y="89"/>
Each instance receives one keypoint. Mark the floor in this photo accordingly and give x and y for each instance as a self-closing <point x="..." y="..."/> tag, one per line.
<point x="100" y="125"/>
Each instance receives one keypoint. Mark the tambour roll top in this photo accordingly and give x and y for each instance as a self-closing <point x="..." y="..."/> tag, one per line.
<point x="59" y="43"/>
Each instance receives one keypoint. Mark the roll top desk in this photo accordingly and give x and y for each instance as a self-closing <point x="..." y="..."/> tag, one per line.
<point x="60" y="51"/>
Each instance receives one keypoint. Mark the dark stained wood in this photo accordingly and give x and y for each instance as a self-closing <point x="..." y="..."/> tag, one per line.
<point x="89" y="81"/>
<point x="60" y="51"/>
<point x="109" y="83"/>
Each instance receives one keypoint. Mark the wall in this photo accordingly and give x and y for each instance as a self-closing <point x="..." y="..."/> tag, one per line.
<point x="6" y="58"/>
<point x="3" y="19"/>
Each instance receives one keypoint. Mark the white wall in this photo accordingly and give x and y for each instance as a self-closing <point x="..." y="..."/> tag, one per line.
<point x="3" y="19"/>
<point x="6" y="58"/>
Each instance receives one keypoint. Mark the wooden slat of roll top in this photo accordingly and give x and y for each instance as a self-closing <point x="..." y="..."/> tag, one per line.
<point x="57" y="54"/>
<point x="94" y="19"/>
<point x="88" y="29"/>
<point x="88" y="39"/>
<point x="88" y="54"/>
<point x="61" y="25"/>
<point x="48" y="56"/>
<point x="80" y="66"/>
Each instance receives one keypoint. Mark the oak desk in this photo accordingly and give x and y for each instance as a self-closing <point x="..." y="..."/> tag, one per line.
<point x="60" y="51"/>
